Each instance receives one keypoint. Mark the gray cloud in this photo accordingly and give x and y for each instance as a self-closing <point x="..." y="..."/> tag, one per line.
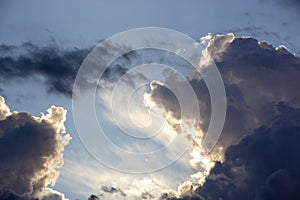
<point x="112" y="190"/>
<point x="263" y="166"/>
<point x="30" y="152"/>
<point x="165" y="98"/>
<point x="261" y="83"/>
<point x="256" y="75"/>
<point x="263" y="107"/>
<point x="262" y="73"/>
<point x="57" y="66"/>
<point x="94" y="197"/>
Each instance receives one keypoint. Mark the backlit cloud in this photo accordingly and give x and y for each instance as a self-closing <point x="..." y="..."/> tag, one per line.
<point x="31" y="151"/>
<point x="261" y="126"/>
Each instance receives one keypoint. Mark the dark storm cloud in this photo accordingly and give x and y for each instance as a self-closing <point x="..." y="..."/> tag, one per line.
<point x="19" y="133"/>
<point x="261" y="131"/>
<point x="56" y="65"/>
<point x="263" y="74"/>
<point x="30" y="152"/>
<point x="238" y="113"/>
<point x="8" y="195"/>
<point x="263" y="166"/>
<point x="165" y="98"/>
<point x="256" y="75"/>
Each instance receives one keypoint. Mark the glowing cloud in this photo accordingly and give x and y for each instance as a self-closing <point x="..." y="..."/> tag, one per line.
<point x="31" y="151"/>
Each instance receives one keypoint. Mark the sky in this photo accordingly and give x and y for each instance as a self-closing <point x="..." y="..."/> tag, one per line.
<point x="53" y="99"/>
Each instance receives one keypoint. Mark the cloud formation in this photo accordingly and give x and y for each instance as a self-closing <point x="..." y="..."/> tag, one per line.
<point x="256" y="76"/>
<point x="261" y="83"/>
<point x="263" y="166"/>
<point x="261" y="128"/>
<point x="31" y="151"/>
<point x="57" y="66"/>
<point x="53" y="65"/>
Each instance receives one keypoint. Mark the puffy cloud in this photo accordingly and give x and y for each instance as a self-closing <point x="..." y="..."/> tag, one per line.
<point x="31" y="151"/>
<point x="256" y="75"/>
<point x="4" y="109"/>
<point x="145" y="188"/>
<point x="261" y="83"/>
<point x="263" y="165"/>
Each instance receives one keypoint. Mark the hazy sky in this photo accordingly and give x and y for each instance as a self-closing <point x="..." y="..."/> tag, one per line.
<point x="81" y="23"/>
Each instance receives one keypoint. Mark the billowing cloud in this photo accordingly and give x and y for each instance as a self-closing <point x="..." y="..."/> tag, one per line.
<point x="31" y="151"/>
<point x="250" y="161"/>
<point x="256" y="76"/>
<point x="263" y="166"/>
<point x="261" y="84"/>
<point x="4" y="109"/>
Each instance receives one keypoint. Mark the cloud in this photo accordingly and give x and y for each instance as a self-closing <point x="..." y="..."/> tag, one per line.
<point x="31" y="151"/>
<point x="112" y="190"/>
<point x="165" y="98"/>
<point x="256" y="76"/>
<point x="263" y="74"/>
<point x="54" y="66"/>
<point x="261" y="83"/>
<point x="264" y="165"/>
<point x="4" y="109"/>
<point x="94" y="197"/>
<point x="57" y="66"/>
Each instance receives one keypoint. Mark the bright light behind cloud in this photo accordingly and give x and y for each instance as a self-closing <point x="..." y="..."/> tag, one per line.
<point x="200" y="163"/>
